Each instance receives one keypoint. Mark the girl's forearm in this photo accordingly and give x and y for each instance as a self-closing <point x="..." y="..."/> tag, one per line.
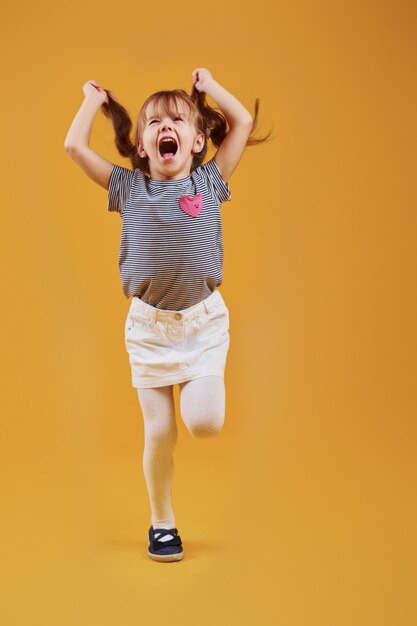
<point x="233" y="110"/>
<point x="80" y="129"/>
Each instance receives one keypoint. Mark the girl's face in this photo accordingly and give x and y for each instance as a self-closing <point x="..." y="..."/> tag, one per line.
<point x="169" y="160"/>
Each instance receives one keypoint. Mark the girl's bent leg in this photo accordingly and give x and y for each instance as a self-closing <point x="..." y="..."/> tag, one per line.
<point x="160" y="435"/>
<point x="203" y="403"/>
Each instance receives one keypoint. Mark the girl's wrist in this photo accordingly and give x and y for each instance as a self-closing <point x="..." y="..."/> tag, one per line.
<point x="209" y="86"/>
<point x="91" y="101"/>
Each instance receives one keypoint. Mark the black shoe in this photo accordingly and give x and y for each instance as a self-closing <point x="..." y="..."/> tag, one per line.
<point x="169" y="550"/>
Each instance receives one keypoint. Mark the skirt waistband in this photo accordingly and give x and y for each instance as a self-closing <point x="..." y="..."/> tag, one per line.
<point x="212" y="302"/>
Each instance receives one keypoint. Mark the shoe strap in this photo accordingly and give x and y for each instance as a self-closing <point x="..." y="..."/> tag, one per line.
<point x="157" y="544"/>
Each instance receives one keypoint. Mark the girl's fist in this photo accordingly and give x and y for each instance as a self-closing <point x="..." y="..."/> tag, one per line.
<point x="93" y="90"/>
<point x="201" y="78"/>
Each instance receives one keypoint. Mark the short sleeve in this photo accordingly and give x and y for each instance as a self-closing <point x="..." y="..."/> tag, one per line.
<point x="214" y="179"/>
<point x="120" y="184"/>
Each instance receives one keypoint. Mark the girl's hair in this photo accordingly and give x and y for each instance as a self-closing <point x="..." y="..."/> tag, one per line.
<point x="205" y="119"/>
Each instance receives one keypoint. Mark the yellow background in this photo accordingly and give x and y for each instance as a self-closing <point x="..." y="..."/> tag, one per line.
<point x="302" y="512"/>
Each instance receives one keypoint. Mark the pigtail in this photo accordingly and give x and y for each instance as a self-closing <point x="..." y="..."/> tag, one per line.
<point x="216" y="124"/>
<point x="122" y="125"/>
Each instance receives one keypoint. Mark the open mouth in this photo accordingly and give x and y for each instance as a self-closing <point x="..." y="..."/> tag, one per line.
<point x="168" y="148"/>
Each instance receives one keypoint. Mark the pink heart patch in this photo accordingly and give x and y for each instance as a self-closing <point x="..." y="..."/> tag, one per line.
<point x="191" y="206"/>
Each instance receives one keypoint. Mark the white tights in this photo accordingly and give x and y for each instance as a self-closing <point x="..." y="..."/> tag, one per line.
<point x="202" y="405"/>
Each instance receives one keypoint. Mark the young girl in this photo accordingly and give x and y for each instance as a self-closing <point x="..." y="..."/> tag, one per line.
<point x="171" y="258"/>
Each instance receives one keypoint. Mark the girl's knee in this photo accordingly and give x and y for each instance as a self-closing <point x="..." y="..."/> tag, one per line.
<point x="160" y="435"/>
<point x="205" y="425"/>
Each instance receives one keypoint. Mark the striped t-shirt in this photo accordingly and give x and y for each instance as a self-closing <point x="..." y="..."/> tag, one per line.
<point x="168" y="258"/>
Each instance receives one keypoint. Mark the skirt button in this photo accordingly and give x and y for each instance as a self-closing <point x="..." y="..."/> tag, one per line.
<point x="177" y="316"/>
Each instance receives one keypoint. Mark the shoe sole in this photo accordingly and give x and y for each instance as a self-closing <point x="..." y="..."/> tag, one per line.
<point x="166" y="557"/>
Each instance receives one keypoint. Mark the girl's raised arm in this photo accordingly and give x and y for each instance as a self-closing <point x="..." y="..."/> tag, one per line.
<point x="78" y="137"/>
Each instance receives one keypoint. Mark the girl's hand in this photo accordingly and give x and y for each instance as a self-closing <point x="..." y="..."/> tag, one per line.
<point x="201" y="78"/>
<point x="92" y="89"/>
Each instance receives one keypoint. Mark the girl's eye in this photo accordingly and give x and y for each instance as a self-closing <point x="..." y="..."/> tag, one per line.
<point x="177" y="118"/>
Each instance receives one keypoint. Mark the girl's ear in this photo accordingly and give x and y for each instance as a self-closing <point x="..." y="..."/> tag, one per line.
<point x="199" y="143"/>
<point x="140" y="149"/>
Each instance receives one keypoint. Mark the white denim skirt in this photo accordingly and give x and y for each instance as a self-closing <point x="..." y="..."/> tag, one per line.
<point x="169" y="347"/>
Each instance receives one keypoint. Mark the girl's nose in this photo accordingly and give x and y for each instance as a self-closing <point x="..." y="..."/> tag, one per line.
<point x="165" y="125"/>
